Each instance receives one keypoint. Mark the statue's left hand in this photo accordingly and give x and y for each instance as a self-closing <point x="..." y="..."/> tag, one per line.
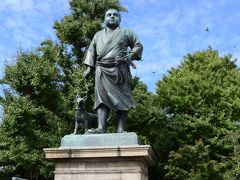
<point x="130" y="61"/>
<point x="118" y="59"/>
<point x="125" y="58"/>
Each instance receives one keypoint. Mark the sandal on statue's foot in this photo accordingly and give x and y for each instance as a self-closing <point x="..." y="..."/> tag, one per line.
<point x="122" y="131"/>
<point x="95" y="131"/>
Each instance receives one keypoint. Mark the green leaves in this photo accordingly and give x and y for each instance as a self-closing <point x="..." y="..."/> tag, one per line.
<point x="37" y="108"/>
<point x="201" y="96"/>
<point x="192" y="162"/>
<point x="25" y="131"/>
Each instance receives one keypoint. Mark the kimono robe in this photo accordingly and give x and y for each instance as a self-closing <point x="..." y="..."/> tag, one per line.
<point x="112" y="86"/>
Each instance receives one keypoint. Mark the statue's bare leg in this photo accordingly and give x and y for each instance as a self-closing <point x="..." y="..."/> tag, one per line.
<point x="121" y="120"/>
<point x="103" y="113"/>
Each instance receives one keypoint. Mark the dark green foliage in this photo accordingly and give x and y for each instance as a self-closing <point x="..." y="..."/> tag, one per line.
<point x="192" y="162"/>
<point x="42" y="75"/>
<point x="37" y="109"/>
<point x="201" y="99"/>
<point x="26" y="130"/>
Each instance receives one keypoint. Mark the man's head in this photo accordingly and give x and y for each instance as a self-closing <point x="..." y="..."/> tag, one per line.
<point x="112" y="18"/>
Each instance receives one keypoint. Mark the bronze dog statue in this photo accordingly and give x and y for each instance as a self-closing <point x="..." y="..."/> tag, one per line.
<point x="82" y="116"/>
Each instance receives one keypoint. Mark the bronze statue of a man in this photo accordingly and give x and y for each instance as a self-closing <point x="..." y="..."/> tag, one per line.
<point x="108" y="55"/>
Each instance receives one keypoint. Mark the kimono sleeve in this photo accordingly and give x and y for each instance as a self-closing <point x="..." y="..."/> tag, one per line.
<point x="91" y="54"/>
<point x="135" y="45"/>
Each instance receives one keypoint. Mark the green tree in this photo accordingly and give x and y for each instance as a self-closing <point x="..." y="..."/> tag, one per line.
<point x="233" y="138"/>
<point x="41" y="87"/>
<point x="36" y="110"/>
<point x="201" y="100"/>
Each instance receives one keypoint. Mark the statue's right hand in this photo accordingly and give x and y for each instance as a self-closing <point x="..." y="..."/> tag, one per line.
<point x="87" y="73"/>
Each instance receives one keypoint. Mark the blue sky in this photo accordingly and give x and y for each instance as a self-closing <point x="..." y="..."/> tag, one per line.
<point x="168" y="29"/>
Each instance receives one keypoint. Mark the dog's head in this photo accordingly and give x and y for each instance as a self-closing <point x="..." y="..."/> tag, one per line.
<point x="81" y="102"/>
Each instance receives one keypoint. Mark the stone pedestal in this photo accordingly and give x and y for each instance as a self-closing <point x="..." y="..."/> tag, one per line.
<point x="105" y="162"/>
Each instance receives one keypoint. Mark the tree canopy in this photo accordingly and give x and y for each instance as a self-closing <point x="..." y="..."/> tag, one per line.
<point x="201" y="99"/>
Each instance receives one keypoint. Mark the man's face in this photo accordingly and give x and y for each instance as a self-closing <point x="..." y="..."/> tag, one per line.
<point x="112" y="18"/>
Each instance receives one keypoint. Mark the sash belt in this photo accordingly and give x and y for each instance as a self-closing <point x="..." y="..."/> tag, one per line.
<point x="110" y="64"/>
<point x="120" y="78"/>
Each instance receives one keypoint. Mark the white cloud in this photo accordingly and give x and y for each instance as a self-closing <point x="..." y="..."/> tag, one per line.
<point x="16" y="5"/>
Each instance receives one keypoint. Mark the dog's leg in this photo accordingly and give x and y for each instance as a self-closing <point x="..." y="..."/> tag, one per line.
<point x="76" y="127"/>
<point x="85" y="125"/>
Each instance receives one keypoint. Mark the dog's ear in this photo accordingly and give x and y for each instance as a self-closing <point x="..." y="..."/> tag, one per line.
<point x="78" y="99"/>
